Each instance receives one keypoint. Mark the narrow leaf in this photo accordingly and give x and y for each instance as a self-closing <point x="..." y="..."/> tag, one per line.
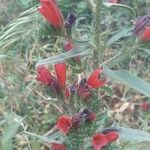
<point x="80" y="50"/>
<point x="130" y="80"/>
<point x="119" y="35"/>
<point x="133" y="134"/>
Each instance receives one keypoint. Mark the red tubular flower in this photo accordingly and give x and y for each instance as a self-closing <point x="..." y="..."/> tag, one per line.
<point x="64" y="124"/>
<point x="95" y="80"/>
<point x="114" y="1"/>
<point x="51" y="12"/>
<point x="99" y="141"/>
<point x="145" y="36"/>
<point x="44" y="75"/>
<point x="56" y="146"/>
<point x="112" y="136"/>
<point x="60" y="70"/>
<point x="145" y="106"/>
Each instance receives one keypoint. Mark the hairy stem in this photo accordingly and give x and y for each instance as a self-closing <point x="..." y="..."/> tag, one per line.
<point x="98" y="52"/>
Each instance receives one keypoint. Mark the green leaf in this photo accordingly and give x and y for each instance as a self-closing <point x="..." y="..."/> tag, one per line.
<point x="128" y="8"/>
<point x="145" y="50"/>
<point x="79" y="50"/>
<point x="2" y="56"/>
<point x="119" y="35"/>
<point x="107" y="89"/>
<point x="12" y="124"/>
<point x="130" y="80"/>
<point x="57" y="137"/>
<point x="133" y="134"/>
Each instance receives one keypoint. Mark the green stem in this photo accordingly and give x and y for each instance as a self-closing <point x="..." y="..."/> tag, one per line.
<point x="98" y="52"/>
<point x="135" y="5"/>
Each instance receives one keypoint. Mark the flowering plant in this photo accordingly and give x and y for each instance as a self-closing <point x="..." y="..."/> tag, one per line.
<point x="78" y="99"/>
<point x="69" y="88"/>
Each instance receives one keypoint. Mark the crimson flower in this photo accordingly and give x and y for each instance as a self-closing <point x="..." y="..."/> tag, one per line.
<point x="99" y="141"/>
<point x="44" y="75"/>
<point x="51" y="12"/>
<point x="60" y="70"/>
<point x="47" y="78"/>
<point x="64" y="123"/>
<point x="141" y="23"/>
<point x="95" y="80"/>
<point x="145" y="106"/>
<point x="112" y="136"/>
<point x="145" y="36"/>
<point x="114" y="1"/>
<point x="56" y="146"/>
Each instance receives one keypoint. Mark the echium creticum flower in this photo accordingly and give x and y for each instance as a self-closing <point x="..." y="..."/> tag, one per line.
<point x="142" y="28"/>
<point x="56" y="83"/>
<point x="102" y="139"/>
<point x="51" y="12"/>
<point x="95" y="80"/>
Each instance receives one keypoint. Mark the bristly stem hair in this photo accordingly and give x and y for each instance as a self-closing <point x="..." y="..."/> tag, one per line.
<point x="98" y="51"/>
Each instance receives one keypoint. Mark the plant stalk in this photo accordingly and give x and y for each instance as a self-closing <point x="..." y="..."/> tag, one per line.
<point x="98" y="52"/>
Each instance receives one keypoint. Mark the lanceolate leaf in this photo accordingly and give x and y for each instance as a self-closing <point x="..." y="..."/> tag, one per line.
<point x="12" y="124"/>
<point x="80" y="50"/>
<point x="133" y="134"/>
<point x="130" y="80"/>
<point x="120" y="34"/>
<point x="53" y="138"/>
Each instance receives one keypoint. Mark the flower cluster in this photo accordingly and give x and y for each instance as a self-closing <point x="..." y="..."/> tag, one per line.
<point x="65" y="123"/>
<point x="99" y="140"/>
<point x="142" y="28"/>
<point x="53" y="15"/>
<point x="86" y="86"/>
<point x="58" y="83"/>
<point x="49" y="79"/>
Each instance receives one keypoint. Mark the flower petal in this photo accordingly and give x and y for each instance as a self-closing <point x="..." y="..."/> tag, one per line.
<point x="44" y="76"/>
<point x="145" y="35"/>
<point x="94" y="80"/>
<point x="64" y="123"/>
<point x="99" y="141"/>
<point x="56" y="146"/>
<point x="60" y="70"/>
<point x="112" y="136"/>
<point x="51" y="12"/>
